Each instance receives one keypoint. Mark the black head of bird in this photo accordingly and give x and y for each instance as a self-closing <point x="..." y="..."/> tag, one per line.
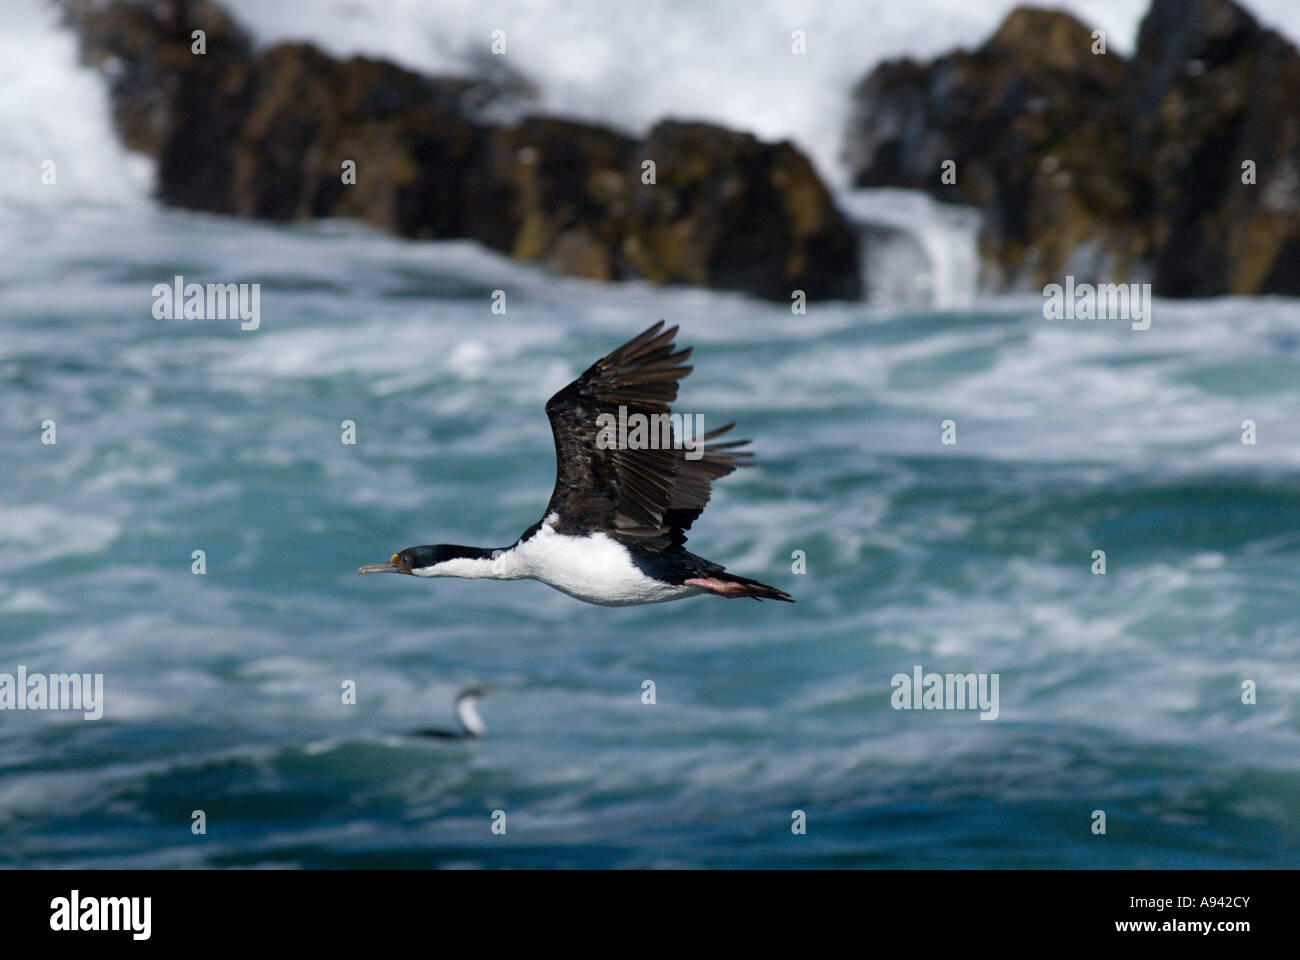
<point x="433" y="560"/>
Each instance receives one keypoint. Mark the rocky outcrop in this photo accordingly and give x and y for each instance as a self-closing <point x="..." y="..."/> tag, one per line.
<point x="413" y="146"/>
<point x="728" y="211"/>
<point x="266" y="134"/>
<point x="1099" y="167"/>
<point x="561" y="193"/>
<point x="1208" y="90"/>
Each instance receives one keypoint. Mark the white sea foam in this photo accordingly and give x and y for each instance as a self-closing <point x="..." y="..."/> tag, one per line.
<point x="929" y="253"/>
<point x="51" y="108"/>
<point x="43" y="534"/>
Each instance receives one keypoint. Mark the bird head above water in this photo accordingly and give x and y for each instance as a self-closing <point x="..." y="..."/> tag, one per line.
<point x="467" y="709"/>
<point x="470" y="724"/>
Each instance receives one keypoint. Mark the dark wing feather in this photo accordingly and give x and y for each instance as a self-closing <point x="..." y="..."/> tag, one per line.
<point x="647" y="497"/>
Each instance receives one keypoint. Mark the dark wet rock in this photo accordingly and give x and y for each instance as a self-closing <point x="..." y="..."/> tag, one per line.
<point x="1098" y="167"/>
<point x="265" y="134"/>
<point x="729" y="211"/>
<point x="1208" y="90"/>
<point x="557" y="191"/>
<point x="723" y="209"/>
<point x="413" y="147"/>
<point x="182" y="108"/>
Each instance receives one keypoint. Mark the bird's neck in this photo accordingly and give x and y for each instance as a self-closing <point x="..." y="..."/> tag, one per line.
<point x="486" y="563"/>
<point x="470" y="722"/>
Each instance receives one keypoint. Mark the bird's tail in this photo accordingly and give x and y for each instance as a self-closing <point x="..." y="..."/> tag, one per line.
<point x="729" y="585"/>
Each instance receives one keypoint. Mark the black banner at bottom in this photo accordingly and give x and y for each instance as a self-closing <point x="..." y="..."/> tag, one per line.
<point x="334" y="908"/>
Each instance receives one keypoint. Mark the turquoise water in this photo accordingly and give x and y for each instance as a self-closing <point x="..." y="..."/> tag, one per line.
<point x="1118" y="693"/>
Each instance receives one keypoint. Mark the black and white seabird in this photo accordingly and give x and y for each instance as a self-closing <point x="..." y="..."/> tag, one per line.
<point x="471" y="724"/>
<point x="614" y="531"/>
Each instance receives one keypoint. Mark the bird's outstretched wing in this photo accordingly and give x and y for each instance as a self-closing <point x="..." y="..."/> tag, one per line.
<point x="645" y="496"/>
